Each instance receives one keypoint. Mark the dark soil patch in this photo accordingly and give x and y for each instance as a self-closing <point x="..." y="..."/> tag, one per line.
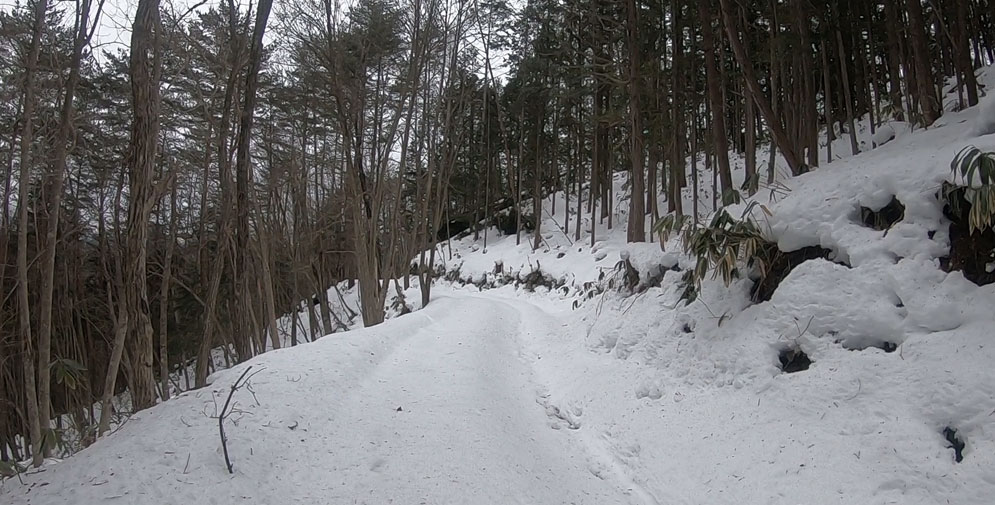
<point x="793" y="360"/>
<point x="456" y="228"/>
<point x="782" y="265"/>
<point x="885" y="217"/>
<point x="956" y="443"/>
<point x="535" y="279"/>
<point x="970" y="253"/>
<point x="507" y="222"/>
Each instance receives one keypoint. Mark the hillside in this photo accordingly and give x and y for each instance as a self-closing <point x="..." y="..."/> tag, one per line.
<point x="565" y="387"/>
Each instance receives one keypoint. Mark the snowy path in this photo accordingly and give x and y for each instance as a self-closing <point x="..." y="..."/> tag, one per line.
<point x="437" y="407"/>
<point x="511" y="398"/>
<point x="470" y="429"/>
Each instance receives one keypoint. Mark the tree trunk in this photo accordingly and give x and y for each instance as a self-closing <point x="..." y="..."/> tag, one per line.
<point x="242" y="172"/>
<point x="53" y="208"/>
<point x="893" y="25"/>
<point x="119" y="316"/>
<point x="24" y="179"/>
<point x="145" y="67"/>
<point x="324" y="309"/>
<point x="929" y="102"/>
<point x="167" y="268"/>
<point x="795" y="163"/>
<point x="269" y="297"/>
<point x="809" y="131"/>
<point x="827" y="95"/>
<point x="637" y="212"/>
<point x="751" y="146"/>
<point x="964" y="53"/>
<point x="854" y="148"/>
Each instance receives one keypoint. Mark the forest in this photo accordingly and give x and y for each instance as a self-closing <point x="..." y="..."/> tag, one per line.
<point x="182" y="194"/>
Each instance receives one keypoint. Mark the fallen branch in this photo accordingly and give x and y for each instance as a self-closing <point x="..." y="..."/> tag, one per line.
<point x="242" y="380"/>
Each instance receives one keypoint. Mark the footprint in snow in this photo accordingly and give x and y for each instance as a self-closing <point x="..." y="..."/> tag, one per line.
<point x="559" y="416"/>
<point x="377" y="464"/>
<point x="649" y="390"/>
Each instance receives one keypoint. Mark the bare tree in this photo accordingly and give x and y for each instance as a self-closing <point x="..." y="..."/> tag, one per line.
<point x="134" y="328"/>
<point x="53" y="210"/>
<point x="242" y="168"/>
<point x="24" y="309"/>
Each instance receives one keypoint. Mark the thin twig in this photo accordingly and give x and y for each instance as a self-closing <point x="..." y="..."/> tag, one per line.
<point x="224" y="412"/>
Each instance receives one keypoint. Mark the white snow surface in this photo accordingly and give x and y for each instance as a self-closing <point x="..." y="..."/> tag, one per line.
<point x="985" y="122"/>
<point x="588" y="394"/>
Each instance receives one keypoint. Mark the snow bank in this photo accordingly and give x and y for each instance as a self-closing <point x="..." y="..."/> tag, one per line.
<point x="985" y="122"/>
<point x="883" y="135"/>
<point x="649" y="260"/>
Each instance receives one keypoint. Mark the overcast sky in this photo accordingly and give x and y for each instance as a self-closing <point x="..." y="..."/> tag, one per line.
<point x="114" y="33"/>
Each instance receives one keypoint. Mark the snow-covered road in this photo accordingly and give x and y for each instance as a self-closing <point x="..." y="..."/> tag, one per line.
<point x="505" y="397"/>
<point x="441" y="406"/>
<point x="453" y="414"/>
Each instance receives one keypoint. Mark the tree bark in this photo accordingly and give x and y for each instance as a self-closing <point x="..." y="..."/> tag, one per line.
<point x="145" y="68"/>
<point x="637" y="212"/>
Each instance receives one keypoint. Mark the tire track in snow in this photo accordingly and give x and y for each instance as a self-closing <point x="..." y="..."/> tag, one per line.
<point x="449" y="416"/>
<point x="438" y="408"/>
<point x="603" y="455"/>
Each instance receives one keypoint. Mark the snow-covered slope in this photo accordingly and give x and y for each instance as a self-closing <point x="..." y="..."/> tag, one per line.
<point x="436" y="407"/>
<point x="585" y="394"/>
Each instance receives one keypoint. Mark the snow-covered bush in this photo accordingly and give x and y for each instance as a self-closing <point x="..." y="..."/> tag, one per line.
<point x="976" y="169"/>
<point x="719" y="247"/>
